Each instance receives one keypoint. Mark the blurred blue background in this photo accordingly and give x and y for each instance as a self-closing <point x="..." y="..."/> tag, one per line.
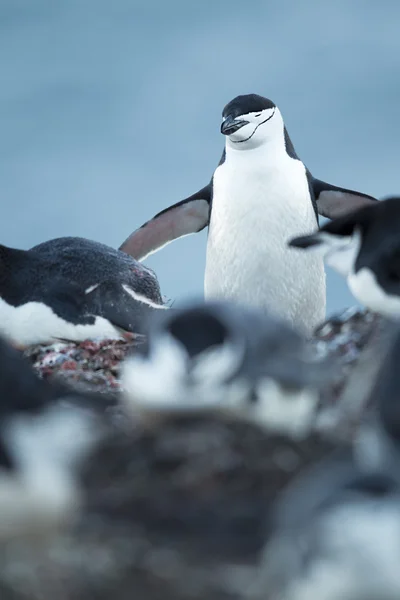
<point x="110" y="111"/>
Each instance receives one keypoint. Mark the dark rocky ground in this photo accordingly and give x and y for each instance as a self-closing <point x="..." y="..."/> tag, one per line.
<point x="95" y="366"/>
<point x="179" y="511"/>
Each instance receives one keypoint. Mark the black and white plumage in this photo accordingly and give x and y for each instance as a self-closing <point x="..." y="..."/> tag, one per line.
<point x="260" y="195"/>
<point x="224" y="358"/>
<point x="364" y="247"/>
<point x="336" y="537"/>
<point x="74" y="289"/>
<point x="336" y="533"/>
<point x="378" y="440"/>
<point x="46" y="431"/>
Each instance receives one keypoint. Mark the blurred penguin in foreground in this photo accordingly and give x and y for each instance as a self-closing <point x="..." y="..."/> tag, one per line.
<point x="337" y="526"/>
<point x="223" y="402"/>
<point x="46" y="431"/>
<point x="178" y="504"/>
<point x="222" y="358"/>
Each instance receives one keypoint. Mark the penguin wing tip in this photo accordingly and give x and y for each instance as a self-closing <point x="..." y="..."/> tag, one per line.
<point x="184" y="218"/>
<point x="333" y="203"/>
<point x="304" y="241"/>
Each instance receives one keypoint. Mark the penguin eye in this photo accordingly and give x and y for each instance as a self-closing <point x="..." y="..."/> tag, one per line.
<point x="258" y="115"/>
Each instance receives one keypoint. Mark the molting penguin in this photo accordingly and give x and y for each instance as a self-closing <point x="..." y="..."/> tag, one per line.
<point x="364" y="247"/>
<point x="73" y="289"/>
<point x="224" y="358"/>
<point x="260" y="195"/>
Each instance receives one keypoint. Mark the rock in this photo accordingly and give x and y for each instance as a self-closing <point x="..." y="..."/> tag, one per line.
<point x="86" y="365"/>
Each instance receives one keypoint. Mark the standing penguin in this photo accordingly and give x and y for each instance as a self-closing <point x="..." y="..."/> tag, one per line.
<point x="260" y="195"/>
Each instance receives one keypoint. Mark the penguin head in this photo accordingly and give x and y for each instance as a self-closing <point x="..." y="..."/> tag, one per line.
<point x="190" y="355"/>
<point x="250" y="120"/>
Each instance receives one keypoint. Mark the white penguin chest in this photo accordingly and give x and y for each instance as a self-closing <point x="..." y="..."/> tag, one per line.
<point x="257" y="208"/>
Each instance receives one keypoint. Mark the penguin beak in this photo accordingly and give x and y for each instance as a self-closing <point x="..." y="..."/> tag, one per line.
<point x="305" y="241"/>
<point x="230" y="125"/>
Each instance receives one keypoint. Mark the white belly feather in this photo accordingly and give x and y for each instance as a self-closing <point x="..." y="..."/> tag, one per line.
<point x="256" y="209"/>
<point x="36" y="323"/>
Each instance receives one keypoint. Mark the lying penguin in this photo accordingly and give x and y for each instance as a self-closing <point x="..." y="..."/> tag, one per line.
<point x="260" y="195"/>
<point x="73" y="289"/>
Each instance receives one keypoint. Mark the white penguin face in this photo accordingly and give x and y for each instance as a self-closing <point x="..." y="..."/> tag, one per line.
<point x="283" y="410"/>
<point x="160" y="386"/>
<point x="251" y="120"/>
<point x="172" y="380"/>
<point x="259" y="127"/>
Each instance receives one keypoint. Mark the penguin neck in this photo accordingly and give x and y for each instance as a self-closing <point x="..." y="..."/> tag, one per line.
<point x="272" y="150"/>
<point x="268" y="148"/>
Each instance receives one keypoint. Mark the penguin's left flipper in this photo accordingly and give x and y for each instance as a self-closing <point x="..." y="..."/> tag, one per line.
<point x="333" y="201"/>
<point x="183" y="218"/>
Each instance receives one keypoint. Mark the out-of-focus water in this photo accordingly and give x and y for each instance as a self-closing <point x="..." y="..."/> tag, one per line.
<point x="110" y="111"/>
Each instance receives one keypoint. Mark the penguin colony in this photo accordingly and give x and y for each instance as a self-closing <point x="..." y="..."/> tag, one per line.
<point x="241" y="356"/>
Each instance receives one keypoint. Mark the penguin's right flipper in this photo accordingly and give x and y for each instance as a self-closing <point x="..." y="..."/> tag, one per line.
<point x="183" y="218"/>
<point x="333" y="201"/>
<point x="342" y="226"/>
